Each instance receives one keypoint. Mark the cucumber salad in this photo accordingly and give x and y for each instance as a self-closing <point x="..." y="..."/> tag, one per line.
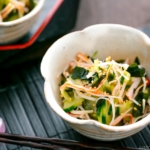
<point x="14" y="9"/>
<point x="112" y="92"/>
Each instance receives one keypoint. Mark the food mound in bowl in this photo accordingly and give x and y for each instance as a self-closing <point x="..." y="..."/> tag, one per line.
<point x="14" y="9"/>
<point x="112" y="92"/>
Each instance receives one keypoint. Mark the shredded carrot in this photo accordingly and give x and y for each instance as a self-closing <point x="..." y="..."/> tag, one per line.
<point x="7" y="10"/>
<point x="82" y="57"/>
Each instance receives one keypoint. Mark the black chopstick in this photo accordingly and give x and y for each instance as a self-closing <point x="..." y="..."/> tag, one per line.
<point x="56" y="144"/>
<point x="33" y="144"/>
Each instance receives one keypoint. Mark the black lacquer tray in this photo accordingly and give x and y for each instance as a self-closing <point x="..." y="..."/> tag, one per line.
<point x="57" y="18"/>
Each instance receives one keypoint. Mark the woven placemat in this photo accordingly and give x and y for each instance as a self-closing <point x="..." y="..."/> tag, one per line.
<point x="25" y="110"/>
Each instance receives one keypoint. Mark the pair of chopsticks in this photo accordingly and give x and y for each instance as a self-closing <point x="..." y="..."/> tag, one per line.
<point x="55" y="144"/>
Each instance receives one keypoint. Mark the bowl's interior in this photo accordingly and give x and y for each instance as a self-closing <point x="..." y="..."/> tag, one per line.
<point x="117" y="41"/>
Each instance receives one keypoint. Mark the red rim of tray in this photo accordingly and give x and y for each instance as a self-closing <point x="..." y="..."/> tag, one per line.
<point x="37" y="33"/>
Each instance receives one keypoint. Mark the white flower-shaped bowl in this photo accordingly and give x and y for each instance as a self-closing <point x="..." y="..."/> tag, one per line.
<point x="13" y="30"/>
<point x="117" y="41"/>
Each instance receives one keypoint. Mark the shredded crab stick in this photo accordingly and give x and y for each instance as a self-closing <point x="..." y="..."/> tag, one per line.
<point x="19" y="6"/>
<point x="110" y="92"/>
<point x="81" y="56"/>
<point x="6" y="11"/>
<point x="134" y="85"/>
<point x="119" y="118"/>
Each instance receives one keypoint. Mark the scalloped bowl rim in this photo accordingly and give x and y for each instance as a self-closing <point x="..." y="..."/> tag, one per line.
<point x="53" y="104"/>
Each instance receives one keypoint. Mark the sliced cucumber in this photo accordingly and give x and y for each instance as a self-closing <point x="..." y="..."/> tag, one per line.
<point x="106" y="87"/>
<point x="128" y="76"/>
<point x="12" y="16"/>
<point x="1" y="4"/>
<point x="68" y="106"/>
<point x="5" y="2"/>
<point x="66" y="96"/>
<point x="138" y="109"/>
<point x="90" y="105"/>
<point x="104" y="112"/>
<point x="111" y="77"/>
<point x="30" y="3"/>
<point x="96" y="79"/>
<point x="124" y="107"/>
